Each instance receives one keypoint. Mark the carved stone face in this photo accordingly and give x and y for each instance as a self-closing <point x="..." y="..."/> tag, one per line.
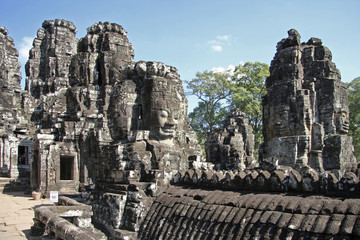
<point x="165" y="109"/>
<point x="281" y="120"/>
<point x="342" y="122"/>
<point x="165" y="119"/>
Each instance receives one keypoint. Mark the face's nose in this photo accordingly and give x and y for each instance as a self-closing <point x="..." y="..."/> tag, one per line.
<point x="171" y="120"/>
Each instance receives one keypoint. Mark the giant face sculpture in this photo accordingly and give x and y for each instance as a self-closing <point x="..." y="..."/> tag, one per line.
<point x="342" y="122"/>
<point x="280" y="124"/>
<point x="165" y="109"/>
<point x="165" y="119"/>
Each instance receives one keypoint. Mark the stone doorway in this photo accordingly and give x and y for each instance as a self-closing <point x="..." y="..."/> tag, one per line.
<point x="66" y="168"/>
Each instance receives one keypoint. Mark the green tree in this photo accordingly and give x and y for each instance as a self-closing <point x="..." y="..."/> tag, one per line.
<point x="249" y="88"/>
<point x="241" y="88"/>
<point x="354" y="107"/>
<point x="200" y="121"/>
<point x="212" y="89"/>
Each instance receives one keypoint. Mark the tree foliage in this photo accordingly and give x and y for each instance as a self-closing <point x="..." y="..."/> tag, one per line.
<point x="249" y="88"/>
<point x="212" y="89"/>
<point x="354" y="107"/>
<point x="241" y="88"/>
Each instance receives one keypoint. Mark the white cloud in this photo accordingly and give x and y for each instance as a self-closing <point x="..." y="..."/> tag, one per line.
<point x="231" y="68"/>
<point x="219" y="42"/>
<point x="224" y="38"/>
<point x="218" y="69"/>
<point x="25" y="46"/>
<point x="216" y="48"/>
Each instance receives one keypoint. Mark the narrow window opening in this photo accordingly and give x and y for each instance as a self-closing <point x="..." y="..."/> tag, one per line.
<point x="66" y="168"/>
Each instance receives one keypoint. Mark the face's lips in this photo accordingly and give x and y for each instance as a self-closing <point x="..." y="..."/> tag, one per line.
<point x="167" y="130"/>
<point x="279" y="125"/>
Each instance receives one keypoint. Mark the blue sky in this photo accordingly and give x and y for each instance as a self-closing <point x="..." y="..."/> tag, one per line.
<point x="195" y="35"/>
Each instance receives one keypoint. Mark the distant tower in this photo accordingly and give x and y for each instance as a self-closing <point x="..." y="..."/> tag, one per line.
<point x="305" y="111"/>
<point x="233" y="145"/>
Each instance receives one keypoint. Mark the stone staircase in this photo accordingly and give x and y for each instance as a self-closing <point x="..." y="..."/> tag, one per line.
<point x="14" y="185"/>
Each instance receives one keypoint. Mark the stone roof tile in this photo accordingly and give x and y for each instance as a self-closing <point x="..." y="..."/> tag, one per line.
<point x="356" y="229"/>
<point x="293" y="204"/>
<point x="208" y="214"/>
<point x="341" y="207"/>
<point x="211" y="198"/>
<point x="239" y="216"/>
<point x="333" y="226"/>
<point x="274" y="218"/>
<point x="223" y="215"/>
<point x="320" y="223"/>
<point x="167" y="211"/>
<point x="184" y="210"/>
<point x="190" y="211"/>
<point x="284" y="219"/>
<point x="217" y="213"/>
<point x="179" y="209"/>
<point x="265" y="217"/>
<point x="304" y="207"/>
<point x="232" y="213"/>
<point x="256" y="217"/>
<point x="204" y="226"/>
<point x="316" y="206"/>
<point x="353" y="206"/>
<point x="284" y="201"/>
<point x="256" y="200"/>
<point x="231" y="231"/>
<point x="174" y="209"/>
<point x="347" y="224"/>
<point x="244" y="200"/>
<point x="329" y="206"/>
<point x="222" y="197"/>
<point x="272" y="205"/>
<point x="308" y="223"/>
<point x="295" y="221"/>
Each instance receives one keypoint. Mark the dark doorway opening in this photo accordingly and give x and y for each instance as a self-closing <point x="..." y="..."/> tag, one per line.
<point x="23" y="155"/>
<point x="66" y="168"/>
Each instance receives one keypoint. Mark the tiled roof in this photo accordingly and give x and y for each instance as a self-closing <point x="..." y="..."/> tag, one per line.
<point x="187" y="213"/>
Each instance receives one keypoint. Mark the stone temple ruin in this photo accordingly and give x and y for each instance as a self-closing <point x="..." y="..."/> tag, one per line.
<point x="113" y="134"/>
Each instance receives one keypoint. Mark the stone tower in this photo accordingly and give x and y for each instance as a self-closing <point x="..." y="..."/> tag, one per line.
<point x="15" y="146"/>
<point x="232" y="147"/>
<point x="305" y="111"/>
